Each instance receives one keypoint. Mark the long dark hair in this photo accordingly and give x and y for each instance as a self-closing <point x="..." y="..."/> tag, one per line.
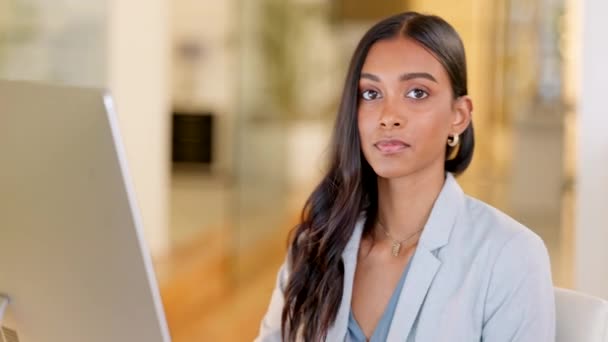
<point x="316" y="272"/>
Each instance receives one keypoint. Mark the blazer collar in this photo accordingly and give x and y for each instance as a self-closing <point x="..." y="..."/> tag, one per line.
<point x="424" y="264"/>
<point x="439" y="226"/>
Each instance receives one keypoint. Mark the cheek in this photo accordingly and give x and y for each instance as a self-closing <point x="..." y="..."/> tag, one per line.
<point x="365" y="125"/>
<point x="432" y="128"/>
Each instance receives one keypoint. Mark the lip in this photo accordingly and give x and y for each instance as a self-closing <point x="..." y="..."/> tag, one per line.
<point x="390" y="146"/>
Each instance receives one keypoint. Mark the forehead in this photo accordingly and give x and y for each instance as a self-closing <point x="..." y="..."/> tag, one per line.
<point x="390" y="58"/>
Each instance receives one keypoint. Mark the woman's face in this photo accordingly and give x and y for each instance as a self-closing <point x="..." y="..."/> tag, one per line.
<point x="406" y="109"/>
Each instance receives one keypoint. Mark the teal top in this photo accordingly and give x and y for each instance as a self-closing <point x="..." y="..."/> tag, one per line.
<point x="355" y="333"/>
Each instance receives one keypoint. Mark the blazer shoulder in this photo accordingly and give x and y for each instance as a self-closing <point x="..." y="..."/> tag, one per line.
<point x="497" y="228"/>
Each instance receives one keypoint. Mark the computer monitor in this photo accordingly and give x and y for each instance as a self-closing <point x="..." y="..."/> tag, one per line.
<point x="73" y="259"/>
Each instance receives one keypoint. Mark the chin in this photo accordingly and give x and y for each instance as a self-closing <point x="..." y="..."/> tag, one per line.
<point x="403" y="167"/>
<point x="391" y="171"/>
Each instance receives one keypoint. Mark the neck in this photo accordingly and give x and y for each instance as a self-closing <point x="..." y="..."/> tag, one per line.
<point x="404" y="204"/>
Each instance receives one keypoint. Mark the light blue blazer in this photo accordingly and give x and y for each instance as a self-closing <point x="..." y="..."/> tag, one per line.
<point x="476" y="275"/>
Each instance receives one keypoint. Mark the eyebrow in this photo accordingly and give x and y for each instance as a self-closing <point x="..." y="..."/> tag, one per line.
<point x="404" y="77"/>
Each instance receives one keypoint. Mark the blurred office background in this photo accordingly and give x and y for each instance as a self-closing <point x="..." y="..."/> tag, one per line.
<point x="226" y="109"/>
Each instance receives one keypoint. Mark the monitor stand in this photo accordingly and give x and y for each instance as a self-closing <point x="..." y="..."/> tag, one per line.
<point x="6" y="334"/>
<point x="3" y="304"/>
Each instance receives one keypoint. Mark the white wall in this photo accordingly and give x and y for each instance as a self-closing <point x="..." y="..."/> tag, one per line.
<point x="591" y="252"/>
<point x="207" y="82"/>
<point x="60" y="41"/>
<point x="138" y="78"/>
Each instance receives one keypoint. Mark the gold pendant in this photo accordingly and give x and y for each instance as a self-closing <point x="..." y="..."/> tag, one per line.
<point x="396" y="248"/>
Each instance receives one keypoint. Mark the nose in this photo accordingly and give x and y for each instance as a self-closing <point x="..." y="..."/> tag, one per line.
<point x="390" y="117"/>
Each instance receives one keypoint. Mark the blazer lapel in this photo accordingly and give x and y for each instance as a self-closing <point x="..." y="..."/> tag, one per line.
<point x="422" y="272"/>
<point x="337" y="332"/>
<point x="425" y="264"/>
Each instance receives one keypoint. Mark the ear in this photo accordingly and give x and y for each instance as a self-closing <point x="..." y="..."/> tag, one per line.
<point x="462" y="111"/>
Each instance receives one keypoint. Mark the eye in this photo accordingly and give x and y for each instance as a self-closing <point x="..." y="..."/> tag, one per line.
<point x="369" y="95"/>
<point x="417" y="94"/>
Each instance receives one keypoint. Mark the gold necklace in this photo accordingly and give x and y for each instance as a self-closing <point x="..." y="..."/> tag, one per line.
<point x="396" y="248"/>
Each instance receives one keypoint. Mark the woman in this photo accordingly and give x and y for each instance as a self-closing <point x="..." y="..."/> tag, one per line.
<point x="388" y="247"/>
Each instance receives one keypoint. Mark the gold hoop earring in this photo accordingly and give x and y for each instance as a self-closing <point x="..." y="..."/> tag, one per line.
<point x="453" y="140"/>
